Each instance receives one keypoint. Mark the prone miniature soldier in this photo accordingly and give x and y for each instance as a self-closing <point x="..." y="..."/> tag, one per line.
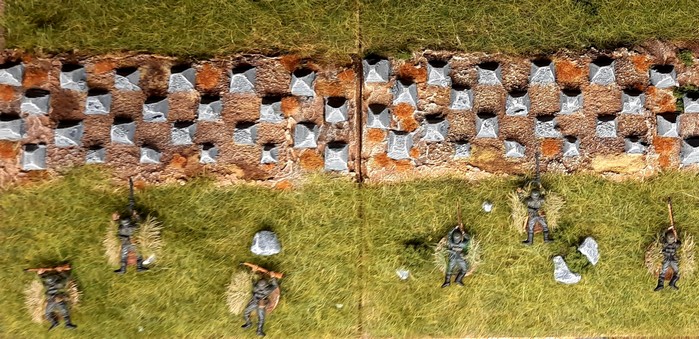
<point x="670" y="246"/>
<point x="534" y="203"/>
<point x="127" y="227"/>
<point x="262" y="289"/>
<point x="55" y="280"/>
<point x="457" y="246"/>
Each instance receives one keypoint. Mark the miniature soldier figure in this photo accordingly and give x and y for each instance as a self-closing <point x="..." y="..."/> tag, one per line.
<point x="534" y="203"/>
<point x="55" y="280"/>
<point x="127" y="227"/>
<point x="457" y="242"/>
<point x="670" y="246"/>
<point x="262" y="290"/>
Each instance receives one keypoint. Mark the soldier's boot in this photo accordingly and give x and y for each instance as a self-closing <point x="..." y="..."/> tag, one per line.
<point x="661" y="283"/>
<point x="673" y="281"/>
<point x="121" y="269"/>
<point x="530" y="239"/>
<point x="139" y="265"/>
<point x="260" y="323"/>
<point x="54" y="322"/>
<point x="460" y="278"/>
<point x="447" y="280"/>
<point x="547" y="237"/>
<point x="248" y="323"/>
<point x="69" y="324"/>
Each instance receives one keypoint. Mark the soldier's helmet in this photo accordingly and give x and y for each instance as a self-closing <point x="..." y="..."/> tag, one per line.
<point x="535" y="194"/>
<point x="670" y="237"/>
<point x="124" y="221"/>
<point x="457" y="236"/>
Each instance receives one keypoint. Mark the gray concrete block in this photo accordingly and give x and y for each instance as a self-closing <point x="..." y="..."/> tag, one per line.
<point x="405" y="91"/>
<point x="571" y="101"/>
<point x="35" y="101"/>
<point x="155" y="109"/>
<point x="634" y="145"/>
<point x="663" y="76"/>
<point x="305" y="135"/>
<point x="546" y="127"/>
<point x="68" y="134"/>
<point x="489" y="73"/>
<point x="517" y="104"/>
<point x="11" y="73"/>
<point x="123" y="131"/>
<point x="73" y="77"/>
<point x="210" y="108"/>
<point x="271" y="109"/>
<point x="668" y="125"/>
<point x="182" y="79"/>
<point x="11" y="127"/>
<point x="514" y="149"/>
<point x="562" y="273"/>
<point x="590" y="250"/>
<point x="462" y="149"/>
<point x="270" y="154"/>
<point x="34" y="157"/>
<point x="243" y="78"/>
<point x="245" y="133"/>
<point x="486" y="125"/>
<point x="265" y="243"/>
<point x="399" y="145"/>
<point x="689" y="154"/>
<point x="376" y="69"/>
<point x="96" y="155"/>
<point x="632" y="102"/>
<point x="436" y="129"/>
<point x="571" y="146"/>
<point x="150" y="155"/>
<point x="336" y="157"/>
<point x="438" y="73"/>
<point x="542" y="72"/>
<point x="302" y="83"/>
<point x="378" y="116"/>
<point x="208" y="153"/>
<point x="461" y="98"/>
<point x="335" y="109"/>
<point x="691" y="103"/>
<point x="606" y="126"/>
<point x="602" y="71"/>
<point x="127" y="78"/>
<point x="98" y="102"/>
<point x="183" y="133"/>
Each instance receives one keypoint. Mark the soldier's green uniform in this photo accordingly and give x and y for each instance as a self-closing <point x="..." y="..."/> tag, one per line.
<point x="457" y="246"/>
<point x="261" y="290"/>
<point x="56" y="297"/>
<point x="670" y="246"/>
<point x="534" y="203"/>
<point x="127" y="227"/>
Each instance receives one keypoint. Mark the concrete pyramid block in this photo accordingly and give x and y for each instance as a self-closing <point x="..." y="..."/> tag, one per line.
<point x="436" y="129"/>
<point x="35" y="101"/>
<point x="376" y="70"/>
<point x="461" y="98"/>
<point x="546" y="127"/>
<point x="73" y="77"/>
<point x="399" y="145"/>
<point x="689" y="154"/>
<point x="571" y="146"/>
<point x="542" y="72"/>
<point x="632" y="102"/>
<point x="514" y="149"/>
<point x="302" y="83"/>
<point x="633" y="145"/>
<point x="489" y="73"/>
<point x="11" y="74"/>
<point x="378" y="116"/>
<point x="270" y="154"/>
<point x="68" y="134"/>
<point x="245" y="133"/>
<point x="210" y="108"/>
<point x="486" y="125"/>
<point x="155" y="109"/>
<point x="336" y="157"/>
<point x="182" y="79"/>
<point x="11" y="127"/>
<point x="602" y="71"/>
<point x="663" y="76"/>
<point x="438" y="73"/>
<point x="34" y="157"/>
<point x="150" y="155"/>
<point x="243" y="79"/>
<point x="98" y="102"/>
<point x="691" y="103"/>
<point x="405" y="91"/>
<point x="517" y="104"/>
<point x="183" y="133"/>
<point x="208" y="153"/>
<point x="96" y="155"/>
<point x="305" y="135"/>
<point x="462" y="150"/>
<point x="667" y="125"/>
<point x="606" y="126"/>
<point x="335" y="110"/>
<point x="571" y="102"/>
<point x="123" y="132"/>
<point x="127" y="79"/>
<point x="271" y="110"/>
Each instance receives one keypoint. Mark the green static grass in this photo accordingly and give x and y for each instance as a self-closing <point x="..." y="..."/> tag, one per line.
<point x="342" y="245"/>
<point x="330" y="30"/>
<point x="199" y="28"/>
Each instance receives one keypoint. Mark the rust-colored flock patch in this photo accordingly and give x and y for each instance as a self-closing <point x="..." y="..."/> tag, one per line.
<point x="410" y="71"/>
<point x="290" y="106"/>
<point x="208" y="77"/>
<point x="7" y="93"/>
<point x="8" y="150"/>
<point x="329" y="88"/>
<point x="35" y="77"/>
<point x="404" y="114"/>
<point x="105" y="66"/>
<point x="178" y="161"/>
<point x="662" y="101"/>
<point x="569" y="72"/>
<point x="665" y="147"/>
<point x="414" y="152"/>
<point x="383" y="161"/>
<point x="551" y="147"/>
<point x="347" y="76"/>
<point x="284" y="185"/>
<point x="310" y="160"/>
<point x="290" y="62"/>
<point x="376" y="135"/>
<point x="641" y="63"/>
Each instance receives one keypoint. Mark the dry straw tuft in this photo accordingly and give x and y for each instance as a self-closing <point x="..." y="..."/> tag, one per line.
<point x="473" y="256"/>
<point x="654" y="257"/>
<point x="238" y="292"/>
<point x="518" y="218"/>
<point x="35" y="299"/>
<point x="111" y="244"/>
<point x="147" y="238"/>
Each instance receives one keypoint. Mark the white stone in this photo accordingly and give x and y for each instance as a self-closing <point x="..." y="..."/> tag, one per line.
<point x="69" y="136"/>
<point x="302" y="83"/>
<point x="182" y="81"/>
<point x="514" y="149"/>
<point x="336" y="156"/>
<point x="271" y="110"/>
<point x="571" y="147"/>
<point x="561" y="272"/>
<point x="546" y="127"/>
<point x="667" y="125"/>
<point x="689" y="154"/>
<point x="149" y="155"/>
<point x="632" y="104"/>
<point x="378" y="117"/>
<point x="376" y="70"/>
<point x="489" y="74"/>
<point x="270" y="154"/>
<point x="487" y="206"/>
<point x="243" y="80"/>
<point x="306" y="135"/>
<point x="34" y="157"/>
<point x="123" y="133"/>
<point x="335" y="110"/>
<point x="208" y="154"/>
<point x="435" y="130"/>
<point x="156" y="111"/>
<point x="691" y="104"/>
<point x="486" y="126"/>
<point x="571" y="102"/>
<point x="663" y="76"/>
<point x="11" y="129"/>
<point x="461" y="99"/>
<point x="606" y="127"/>
<point x="183" y="133"/>
<point x="602" y="73"/>
<point x="210" y="111"/>
<point x="37" y="105"/>
<point x="96" y="155"/>
<point x="265" y="243"/>
<point x="517" y="104"/>
<point x="438" y="73"/>
<point x="590" y="250"/>
<point x="403" y="274"/>
<point x="245" y="134"/>
<point x="127" y="79"/>
<point x="75" y="79"/>
<point x="12" y="75"/>
<point x="462" y="150"/>
<point x="98" y="104"/>
<point x="542" y="73"/>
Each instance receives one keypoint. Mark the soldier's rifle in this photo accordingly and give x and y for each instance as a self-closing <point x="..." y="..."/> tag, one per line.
<point x="132" y="199"/>
<point x="672" y="219"/>
<point x="537" y="175"/>
<point x="256" y="268"/>
<point x="42" y="270"/>
<point x="458" y="216"/>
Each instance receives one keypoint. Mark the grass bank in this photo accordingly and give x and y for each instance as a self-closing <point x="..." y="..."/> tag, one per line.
<point x="207" y="230"/>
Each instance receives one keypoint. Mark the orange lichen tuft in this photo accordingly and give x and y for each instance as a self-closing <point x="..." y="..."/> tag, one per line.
<point x="7" y="93"/>
<point x="290" y="62"/>
<point x="663" y="101"/>
<point x="403" y="110"/>
<point x="284" y="185"/>
<point x="382" y="160"/>
<point x="329" y="88"/>
<point x="403" y="165"/>
<point x="290" y="106"/>
<point x="408" y="124"/>
<point x="8" y="150"/>
<point x="268" y="167"/>
<point x="208" y="77"/>
<point x="178" y="161"/>
<point x="551" y="147"/>
<point x="414" y="152"/>
<point x="310" y="160"/>
<point x="35" y="77"/>
<point x="665" y="147"/>
<point x="376" y="135"/>
<point x="641" y="63"/>
<point x="346" y="76"/>
<point x="139" y="184"/>
<point x="105" y="66"/>
<point x="569" y="72"/>
<point x="410" y="71"/>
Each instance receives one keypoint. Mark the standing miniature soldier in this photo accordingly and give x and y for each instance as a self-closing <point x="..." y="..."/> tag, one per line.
<point x="534" y="202"/>
<point x="670" y="246"/>
<point x="55" y="280"/>
<point x="457" y="242"/>
<point x="127" y="227"/>
<point x="262" y="291"/>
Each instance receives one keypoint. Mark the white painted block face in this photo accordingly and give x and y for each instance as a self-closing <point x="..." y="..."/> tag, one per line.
<point x="399" y="145"/>
<point x="436" y="130"/>
<point x="405" y="91"/>
<point x="305" y="135"/>
<point x="667" y="125"/>
<point x="571" y="102"/>
<point x="123" y="132"/>
<point x="270" y="154"/>
<point x="376" y="70"/>
<point x="127" y="79"/>
<point x="663" y="76"/>
<point x="335" y="110"/>
<point x="182" y="133"/>
<point x="486" y="125"/>
<point x="35" y="102"/>
<point x="571" y="146"/>
<point x="96" y="155"/>
<point x="336" y="157"/>
<point x="11" y="74"/>
<point x="461" y="98"/>
<point x="69" y="134"/>
<point x="546" y="126"/>
<point x="489" y="73"/>
<point x="462" y="150"/>
<point x="542" y="72"/>
<point x="271" y="110"/>
<point x="150" y="155"/>
<point x="243" y="79"/>
<point x="632" y="102"/>
<point x="633" y="145"/>
<point x="690" y="103"/>
<point x="11" y="127"/>
<point x="73" y="77"/>
<point x="514" y="149"/>
<point x="302" y="83"/>
<point x="182" y="79"/>
<point x="98" y="102"/>
<point x="602" y="71"/>
<point x="34" y="157"/>
<point x="689" y="154"/>
<point x="517" y="104"/>
<point x="155" y="109"/>
<point x="208" y="154"/>
<point x="378" y="116"/>
<point x="606" y="127"/>
<point x="438" y="73"/>
<point x="245" y="133"/>
<point x="210" y="109"/>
